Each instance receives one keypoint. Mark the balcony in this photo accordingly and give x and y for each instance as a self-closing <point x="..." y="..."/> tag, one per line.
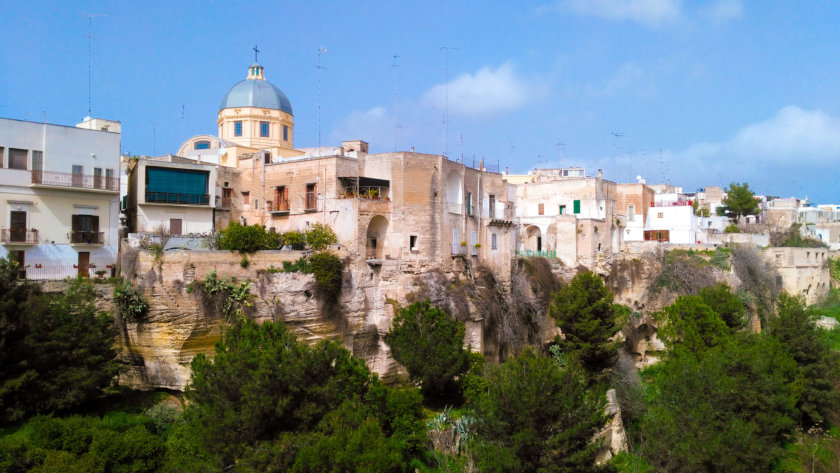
<point x="75" y="181"/>
<point x="367" y="192"/>
<point x="280" y="207"/>
<point x="459" y="249"/>
<point x="177" y="198"/>
<point x="21" y="236"/>
<point x="79" y="237"/>
<point x="453" y="208"/>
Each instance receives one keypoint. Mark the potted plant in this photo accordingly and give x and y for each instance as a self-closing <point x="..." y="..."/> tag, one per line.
<point x="101" y="273"/>
<point x="374" y="194"/>
<point x="477" y="245"/>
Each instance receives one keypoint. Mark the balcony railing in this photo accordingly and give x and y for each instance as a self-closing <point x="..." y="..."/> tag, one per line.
<point x="87" y="238"/>
<point x="678" y="203"/>
<point x="453" y="208"/>
<point x="367" y="192"/>
<point x="177" y="198"/>
<point x="280" y="207"/>
<point x="20" y="236"/>
<point x="80" y="181"/>
<point x="459" y="249"/>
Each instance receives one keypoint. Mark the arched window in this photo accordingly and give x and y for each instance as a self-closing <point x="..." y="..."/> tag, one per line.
<point x="204" y="144"/>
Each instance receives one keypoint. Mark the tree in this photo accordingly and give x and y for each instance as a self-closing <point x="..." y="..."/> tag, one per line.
<point x="430" y="345"/>
<point x="818" y="363"/>
<point x="727" y="305"/>
<point x="739" y="201"/>
<point x="265" y="397"/>
<point x="728" y="408"/>
<point x="320" y="236"/>
<point x="583" y="309"/>
<point x="56" y="351"/>
<point x="692" y="325"/>
<point x="536" y="416"/>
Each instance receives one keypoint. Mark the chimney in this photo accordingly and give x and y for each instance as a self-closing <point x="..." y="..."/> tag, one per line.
<point x="412" y="149"/>
<point x="600" y="174"/>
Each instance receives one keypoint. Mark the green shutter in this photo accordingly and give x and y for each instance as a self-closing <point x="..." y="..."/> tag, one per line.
<point x="577" y="206"/>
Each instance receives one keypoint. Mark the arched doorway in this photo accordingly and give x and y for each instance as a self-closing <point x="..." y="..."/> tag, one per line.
<point x="375" y="240"/>
<point x="533" y="239"/>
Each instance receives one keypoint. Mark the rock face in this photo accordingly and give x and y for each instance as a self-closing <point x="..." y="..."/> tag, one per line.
<point x="612" y="439"/>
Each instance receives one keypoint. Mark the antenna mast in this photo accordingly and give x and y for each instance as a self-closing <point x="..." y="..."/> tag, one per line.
<point x="445" y="50"/>
<point x="320" y="50"/>
<point x="90" y="17"/>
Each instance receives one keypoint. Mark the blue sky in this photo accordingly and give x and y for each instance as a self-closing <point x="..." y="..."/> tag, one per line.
<point x="692" y="93"/>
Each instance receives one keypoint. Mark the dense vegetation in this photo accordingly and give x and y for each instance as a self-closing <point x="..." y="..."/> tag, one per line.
<point x="720" y="399"/>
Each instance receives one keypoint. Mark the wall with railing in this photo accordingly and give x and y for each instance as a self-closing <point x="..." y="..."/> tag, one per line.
<point x="81" y="181"/>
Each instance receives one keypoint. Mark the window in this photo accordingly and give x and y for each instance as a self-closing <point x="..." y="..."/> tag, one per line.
<point x="493" y="243"/>
<point x="17" y="225"/>
<point x="267" y="157"/>
<point x="226" y="195"/>
<point x="469" y="203"/>
<point x="412" y="242"/>
<point x="37" y="167"/>
<point x="176" y="226"/>
<point x="541" y="209"/>
<point x="576" y="207"/>
<point x="246" y="198"/>
<point x="474" y="241"/>
<point x="85" y="229"/>
<point x="285" y="133"/>
<point x="78" y="175"/>
<point x="237" y="128"/>
<point x="256" y="204"/>
<point x="2" y="155"/>
<point x="17" y="158"/>
<point x="204" y="144"/>
<point x="97" y="178"/>
<point x="281" y="199"/>
<point x="562" y="210"/>
<point x="311" y="197"/>
<point x="110" y="183"/>
<point x="492" y="206"/>
<point x="264" y="129"/>
<point x="177" y="186"/>
<point x="631" y="212"/>
<point x="659" y="215"/>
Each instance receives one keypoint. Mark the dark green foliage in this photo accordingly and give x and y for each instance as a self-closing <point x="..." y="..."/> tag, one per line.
<point x="130" y="303"/>
<point x="294" y="240"/>
<point x="301" y="265"/>
<point x="55" y="351"/>
<point x="792" y="237"/>
<point x="536" y="416"/>
<point x="727" y="305"/>
<point x="328" y="269"/>
<point x="819" y="365"/>
<point x="267" y="399"/>
<point x="320" y="236"/>
<point x="728" y="408"/>
<point x="739" y="201"/>
<point x="430" y="345"/>
<point x="220" y="296"/>
<point x="687" y="271"/>
<point x="692" y="325"/>
<point x="583" y="309"/>
<point x="247" y="239"/>
<point x="732" y="228"/>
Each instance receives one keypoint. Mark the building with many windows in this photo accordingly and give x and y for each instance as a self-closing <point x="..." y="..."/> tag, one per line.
<point x="59" y="195"/>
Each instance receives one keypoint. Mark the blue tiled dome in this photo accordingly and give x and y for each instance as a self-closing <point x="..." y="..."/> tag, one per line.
<point x="254" y="92"/>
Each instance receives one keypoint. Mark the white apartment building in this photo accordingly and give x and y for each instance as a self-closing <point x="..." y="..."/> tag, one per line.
<point x="59" y="196"/>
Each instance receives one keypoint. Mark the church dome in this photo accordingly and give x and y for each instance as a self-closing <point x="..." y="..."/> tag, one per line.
<point x="255" y="91"/>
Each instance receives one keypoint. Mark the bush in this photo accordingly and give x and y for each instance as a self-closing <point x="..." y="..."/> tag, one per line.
<point x="301" y="265"/>
<point x="319" y="237"/>
<point x="247" y="239"/>
<point x="219" y="296"/>
<point x="328" y="269"/>
<point x="294" y="240"/>
<point x="732" y="228"/>
<point x="130" y="303"/>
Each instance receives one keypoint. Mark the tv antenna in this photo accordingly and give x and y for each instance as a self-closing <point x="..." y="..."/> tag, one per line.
<point x="561" y="148"/>
<point x="90" y="17"/>
<point x="394" y="65"/>
<point x="616" y="135"/>
<point x="445" y="50"/>
<point x="320" y="51"/>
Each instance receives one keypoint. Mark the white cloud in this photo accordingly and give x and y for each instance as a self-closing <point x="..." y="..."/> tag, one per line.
<point x="648" y="12"/>
<point x="374" y="126"/>
<point x="486" y="92"/>
<point x="725" y="10"/>
<point x="792" y="136"/>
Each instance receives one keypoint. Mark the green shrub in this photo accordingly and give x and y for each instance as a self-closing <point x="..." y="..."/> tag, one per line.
<point x="720" y="258"/>
<point x="294" y="240"/>
<point x="301" y="265"/>
<point x="320" y="236"/>
<point x="244" y="262"/>
<point x="227" y="297"/>
<point x="732" y="228"/>
<point x="328" y="269"/>
<point x="130" y="302"/>
<point x="248" y="239"/>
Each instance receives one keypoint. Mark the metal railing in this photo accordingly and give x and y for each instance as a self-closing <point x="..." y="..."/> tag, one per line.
<point x="177" y="198"/>
<point x="22" y="235"/>
<point x="87" y="238"/>
<point x="280" y="206"/>
<point x="459" y="249"/>
<point x="69" y="179"/>
<point x="678" y="203"/>
<point x="367" y="192"/>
